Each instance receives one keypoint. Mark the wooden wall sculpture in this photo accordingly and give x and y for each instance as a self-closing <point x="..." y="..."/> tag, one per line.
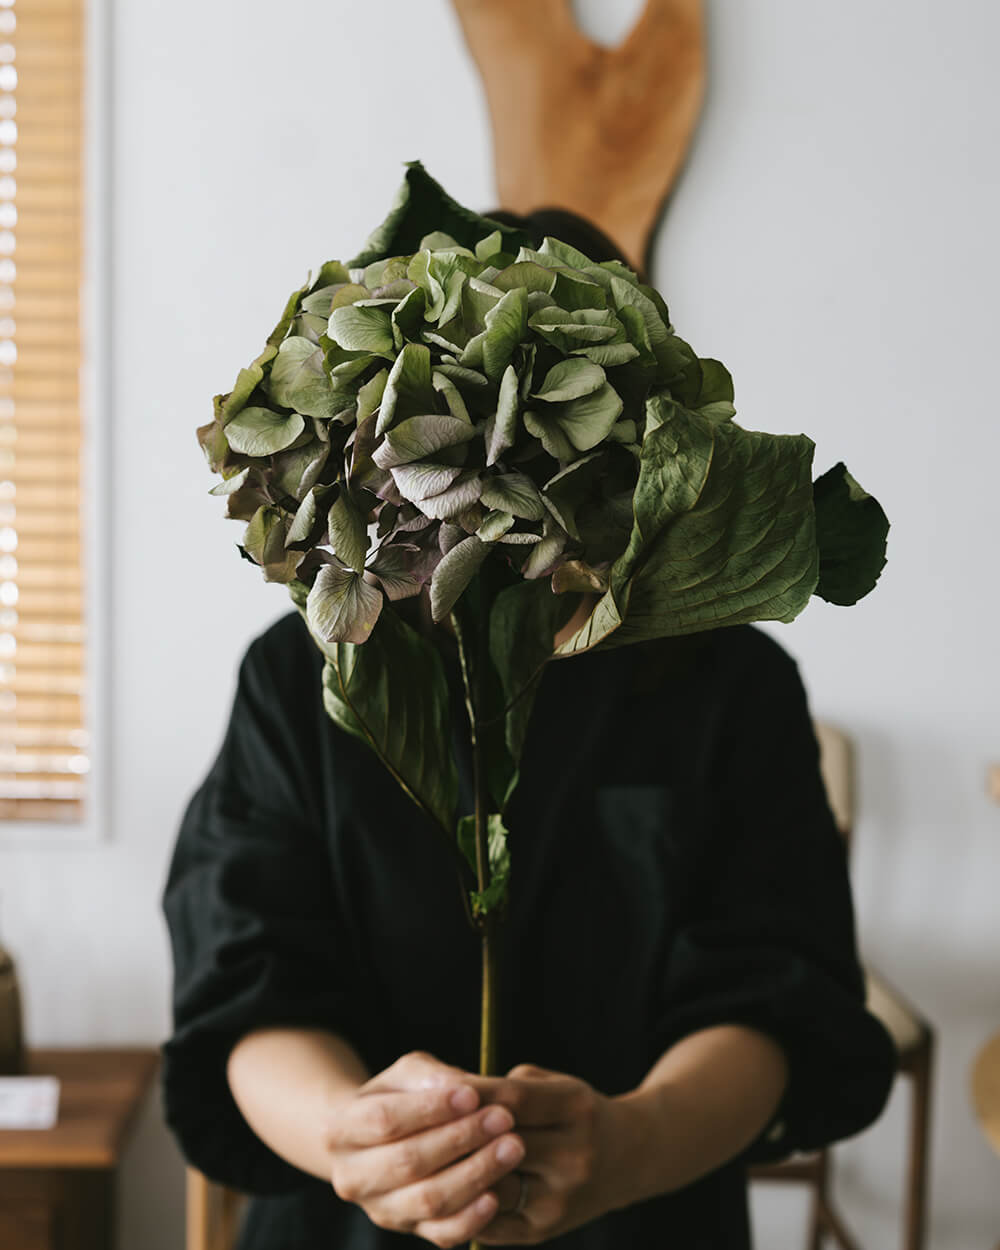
<point x="601" y="131"/>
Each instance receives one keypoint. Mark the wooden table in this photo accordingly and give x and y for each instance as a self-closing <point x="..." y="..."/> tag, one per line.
<point x="986" y="1091"/>
<point x="57" y="1185"/>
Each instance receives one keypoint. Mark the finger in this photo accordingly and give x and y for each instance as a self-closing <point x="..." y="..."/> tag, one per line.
<point x="417" y="1070"/>
<point x="536" y="1103"/>
<point x="378" y="1118"/>
<point x="448" y="1192"/>
<point x="526" y="1209"/>
<point x="386" y="1168"/>
<point x="554" y="1159"/>
<point x="460" y="1228"/>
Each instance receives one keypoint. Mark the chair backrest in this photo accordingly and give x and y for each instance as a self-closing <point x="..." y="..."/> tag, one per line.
<point x="836" y="762"/>
<point x="213" y="1213"/>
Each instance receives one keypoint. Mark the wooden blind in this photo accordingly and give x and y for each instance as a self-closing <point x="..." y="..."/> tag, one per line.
<point x="43" y="739"/>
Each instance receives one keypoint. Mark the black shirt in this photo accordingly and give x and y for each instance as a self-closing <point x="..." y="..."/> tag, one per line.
<point x="675" y="866"/>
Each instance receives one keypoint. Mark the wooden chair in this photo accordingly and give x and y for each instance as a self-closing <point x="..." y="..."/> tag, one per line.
<point x="213" y="1213"/>
<point x="914" y="1040"/>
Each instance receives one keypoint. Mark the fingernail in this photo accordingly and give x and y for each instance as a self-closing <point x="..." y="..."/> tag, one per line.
<point x="485" y="1205"/>
<point x="498" y="1120"/>
<point x="510" y="1152"/>
<point x="464" y="1099"/>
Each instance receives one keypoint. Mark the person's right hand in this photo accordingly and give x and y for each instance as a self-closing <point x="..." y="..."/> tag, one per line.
<point x="416" y="1151"/>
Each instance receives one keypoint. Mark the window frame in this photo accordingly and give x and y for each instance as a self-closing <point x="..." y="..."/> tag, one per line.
<point x="95" y="459"/>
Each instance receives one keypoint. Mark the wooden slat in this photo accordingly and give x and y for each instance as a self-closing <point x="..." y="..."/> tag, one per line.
<point x="65" y="811"/>
<point x="43" y="741"/>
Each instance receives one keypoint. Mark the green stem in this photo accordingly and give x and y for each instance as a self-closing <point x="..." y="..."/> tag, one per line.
<point x="473" y="675"/>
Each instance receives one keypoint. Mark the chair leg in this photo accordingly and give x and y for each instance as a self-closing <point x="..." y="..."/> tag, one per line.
<point x="915" y="1218"/>
<point x="817" y="1223"/>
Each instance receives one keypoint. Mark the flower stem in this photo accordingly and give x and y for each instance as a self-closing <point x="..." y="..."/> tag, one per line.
<point x="473" y="678"/>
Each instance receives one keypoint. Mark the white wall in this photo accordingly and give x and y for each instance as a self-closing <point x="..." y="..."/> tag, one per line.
<point x="832" y="241"/>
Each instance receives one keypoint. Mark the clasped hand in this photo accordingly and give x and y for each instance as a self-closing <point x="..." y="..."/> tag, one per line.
<point x="428" y="1149"/>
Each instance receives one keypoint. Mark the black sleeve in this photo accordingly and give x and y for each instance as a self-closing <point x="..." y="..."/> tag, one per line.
<point x="769" y="941"/>
<point x="256" y="942"/>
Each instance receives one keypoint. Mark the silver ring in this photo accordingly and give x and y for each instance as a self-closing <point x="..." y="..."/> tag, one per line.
<point x="522" y="1194"/>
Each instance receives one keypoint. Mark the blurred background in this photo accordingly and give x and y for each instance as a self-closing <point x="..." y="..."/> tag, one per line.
<point x="832" y="239"/>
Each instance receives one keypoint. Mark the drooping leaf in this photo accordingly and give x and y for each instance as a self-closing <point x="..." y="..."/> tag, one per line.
<point x="392" y="694"/>
<point x="851" y="531"/>
<point x="523" y="625"/>
<point x="724" y="529"/>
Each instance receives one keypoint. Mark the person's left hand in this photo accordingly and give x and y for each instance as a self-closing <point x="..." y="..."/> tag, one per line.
<point x="578" y="1150"/>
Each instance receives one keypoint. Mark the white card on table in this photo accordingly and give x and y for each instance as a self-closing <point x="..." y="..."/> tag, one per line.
<point x="29" y="1101"/>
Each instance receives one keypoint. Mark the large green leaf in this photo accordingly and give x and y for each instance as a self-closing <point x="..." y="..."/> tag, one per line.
<point x="392" y="694"/>
<point x="523" y="624"/>
<point x="851" y="530"/>
<point x="724" y="529"/>
<point x="422" y="206"/>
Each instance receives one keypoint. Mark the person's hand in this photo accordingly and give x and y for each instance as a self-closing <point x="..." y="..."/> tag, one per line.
<point x="578" y="1147"/>
<point x="416" y="1150"/>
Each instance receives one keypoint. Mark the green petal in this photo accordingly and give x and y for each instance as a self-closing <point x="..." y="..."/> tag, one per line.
<point x="348" y="529"/>
<point x="408" y="390"/>
<point x="501" y="427"/>
<point x="506" y="326"/>
<point x="341" y="606"/>
<point x="571" y="379"/>
<point x="419" y="481"/>
<point x="308" y="517"/>
<point x="587" y="421"/>
<point x="454" y="573"/>
<point x="420" y="437"/>
<point x="494" y="526"/>
<point x="298" y="380"/>
<point x="362" y="329"/>
<point x="515" y="493"/>
<point x="261" y="432"/>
